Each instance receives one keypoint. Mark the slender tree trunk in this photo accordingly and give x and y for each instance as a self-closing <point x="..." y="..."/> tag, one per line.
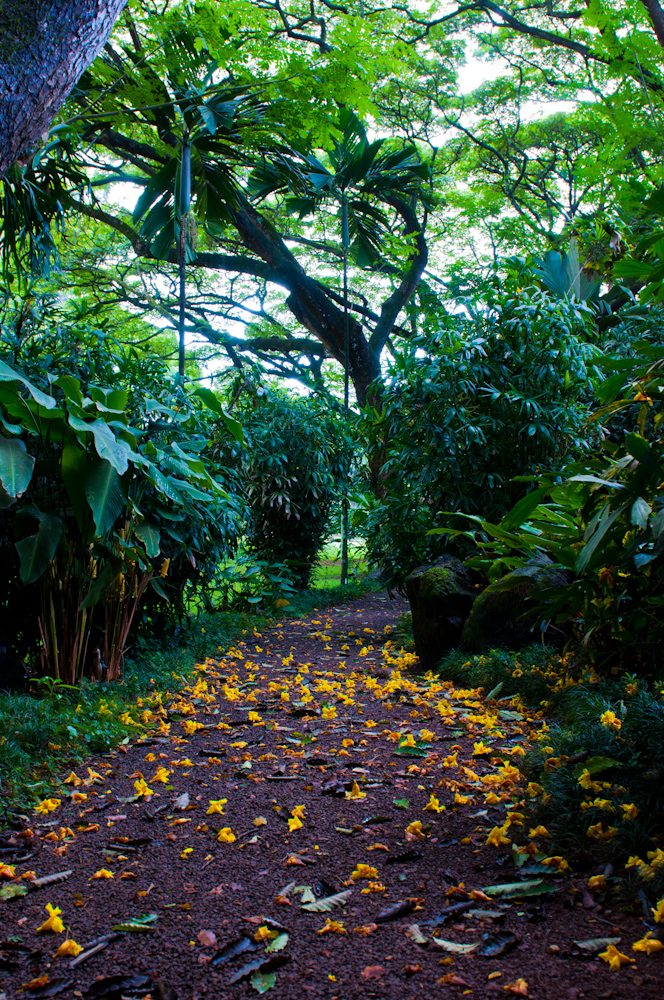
<point x="45" y="45"/>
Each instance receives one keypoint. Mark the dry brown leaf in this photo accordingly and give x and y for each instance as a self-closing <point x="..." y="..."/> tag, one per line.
<point x="208" y="939"/>
<point x="373" y="972"/>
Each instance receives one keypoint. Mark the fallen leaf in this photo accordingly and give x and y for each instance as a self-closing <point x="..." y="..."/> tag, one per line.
<point x="373" y="972"/>
<point x="207" y="939"/>
<point x="519" y="986"/>
<point x="328" y="902"/>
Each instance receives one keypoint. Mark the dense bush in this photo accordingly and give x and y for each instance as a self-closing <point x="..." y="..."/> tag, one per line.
<point x="298" y="453"/>
<point x="603" y="519"/>
<point x="501" y="390"/>
<point x="104" y="489"/>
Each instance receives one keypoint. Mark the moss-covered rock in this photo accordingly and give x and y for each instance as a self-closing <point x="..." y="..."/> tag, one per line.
<point x="507" y="612"/>
<point x="440" y="598"/>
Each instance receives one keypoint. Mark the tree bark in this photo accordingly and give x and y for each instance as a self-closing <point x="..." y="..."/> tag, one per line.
<point x="45" y="45"/>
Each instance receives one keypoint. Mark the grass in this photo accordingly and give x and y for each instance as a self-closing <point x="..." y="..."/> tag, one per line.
<point x="53" y="727"/>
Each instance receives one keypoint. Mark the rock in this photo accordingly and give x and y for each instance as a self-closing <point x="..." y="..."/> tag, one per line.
<point x="440" y="597"/>
<point x="505" y="614"/>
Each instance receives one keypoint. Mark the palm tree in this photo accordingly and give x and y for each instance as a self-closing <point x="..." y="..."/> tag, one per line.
<point x="359" y="177"/>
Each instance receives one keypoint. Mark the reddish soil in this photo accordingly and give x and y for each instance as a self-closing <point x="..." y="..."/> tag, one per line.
<point x="165" y="858"/>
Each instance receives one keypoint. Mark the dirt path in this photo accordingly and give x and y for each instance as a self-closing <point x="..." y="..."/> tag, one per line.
<point x="339" y="775"/>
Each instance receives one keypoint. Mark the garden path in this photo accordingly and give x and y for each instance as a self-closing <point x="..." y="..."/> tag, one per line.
<point x="305" y="763"/>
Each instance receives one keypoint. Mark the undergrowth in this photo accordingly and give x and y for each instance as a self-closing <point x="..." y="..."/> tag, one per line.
<point x="595" y="776"/>
<point x="53" y="726"/>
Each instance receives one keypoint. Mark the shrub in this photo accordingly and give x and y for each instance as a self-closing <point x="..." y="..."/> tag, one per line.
<point x="502" y="390"/>
<point x="298" y="453"/>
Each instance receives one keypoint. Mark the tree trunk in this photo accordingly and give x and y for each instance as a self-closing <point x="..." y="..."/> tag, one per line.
<point x="45" y="45"/>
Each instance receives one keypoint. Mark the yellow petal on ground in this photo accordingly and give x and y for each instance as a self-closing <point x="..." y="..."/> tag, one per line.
<point x="332" y="927"/>
<point x="47" y="806"/>
<point x="7" y="871"/>
<point x="433" y="805"/>
<point x="216" y="807"/>
<point x="102" y="873"/>
<point x="356" y="792"/>
<point x="294" y="823"/>
<point x="53" y="924"/>
<point x="68" y="948"/>
<point x="73" y="779"/>
<point x="615" y="958"/>
<point x="141" y="787"/>
<point x="226" y="836"/>
<point x="364" y="871"/>
<point x="648" y="945"/>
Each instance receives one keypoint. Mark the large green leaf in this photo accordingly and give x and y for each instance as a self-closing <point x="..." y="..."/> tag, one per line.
<point x="16" y="466"/>
<point x="114" y="450"/>
<point x="73" y="466"/>
<point x="105" y="493"/>
<point x="36" y="551"/>
<point x="8" y="374"/>
<point x="234" y="427"/>
<point x="150" y="535"/>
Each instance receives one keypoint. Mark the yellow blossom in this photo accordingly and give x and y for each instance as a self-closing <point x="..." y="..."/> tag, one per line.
<point x="658" y="912"/>
<point x="364" y="871"/>
<point x="102" y="873"/>
<point x="610" y="719"/>
<point x="332" y="927"/>
<point x="497" y="837"/>
<point x="141" y="787"/>
<point x="73" y="779"/>
<point x="462" y="800"/>
<point x="190" y="726"/>
<point x="329" y="712"/>
<point x="597" y="832"/>
<point x="433" y="805"/>
<point x="162" y="774"/>
<point x="54" y="923"/>
<point x="373" y="887"/>
<point x="451" y="760"/>
<point x="557" y="862"/>
<point x="415" y="829"/>
<point x="294" y="823"/>
<point x="597" y="882"/>
<point x="68" y="948"/>
<point x="216" y="807"/>
<point x="539" y="831"/>
<point x="226" y="836"/>
<point x="356" y="792"/>
<point x="481" y="749"/>
<point x="615" y="958"/>
<point x="7" y="871"/>
<point x="648" y="945"/>
<point x="47" y="806"/>
<point x="265" y="933"/>
<point x="629" y="811"/>
<point x="533" y="789"/>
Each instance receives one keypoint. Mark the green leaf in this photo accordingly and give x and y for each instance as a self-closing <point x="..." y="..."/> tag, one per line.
<point x="105" y="493"/>
<point x="150" y="535"/>
<point x="641" y="511"/>
<point x="8" y="374"/>
<point x="234" y="427"/>
<point x="16" y="466"/>
<point x="401" y="803"/>
<point x="73" y="467"/>
<point x="115" y="451"/>
<point x="36" y="551"/>
<point x="594" y="765"/>
<point x="263" y="981"/>
<point x="519" y="890"/>
<point x="278" y="944"/>
<point x="587" y="552"/>
<point x="640" y="449"/>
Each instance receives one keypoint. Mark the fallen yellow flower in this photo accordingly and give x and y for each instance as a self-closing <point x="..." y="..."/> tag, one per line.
<point x="433" y="805"/>
<point x="226" y="835"/>
<point x="332" y="927"/>
<point x="615" y="958"/>
<point x="415" y="829"/>
<point x="102" y="873"/>
<point x="294" y="823"/>
<point x="7" y="871"/>
<point x="68" y="948"/>
<point x="497" y="837"/>
<point x="658" y="912"/>
<point x="364" y="871"/>
<point x="216" y="807"/>
<point x="648" y="945"/>
<point x="539" y="831"/>
<point x="47" y="806"/>
<point x="356" y="792"/>
<point x="53" y="924"/>
<point x="73" y="779"/>
<point x="162" y="774"/>
<point x="141" y="787"/>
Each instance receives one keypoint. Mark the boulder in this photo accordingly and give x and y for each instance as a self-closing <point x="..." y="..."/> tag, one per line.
<point x="507" y="613"/>
<point x="440" y="597"/>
